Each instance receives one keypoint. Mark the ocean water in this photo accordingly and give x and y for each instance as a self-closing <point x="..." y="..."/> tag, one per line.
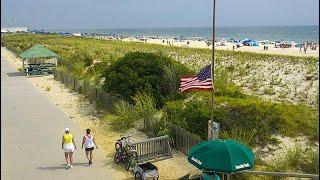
<point x="272" y="33"/>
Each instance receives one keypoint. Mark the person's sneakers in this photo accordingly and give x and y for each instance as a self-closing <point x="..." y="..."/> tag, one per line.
<point x="71" y="166"/>
<point x="68" y="166"/>
<point x="90" y="162"/>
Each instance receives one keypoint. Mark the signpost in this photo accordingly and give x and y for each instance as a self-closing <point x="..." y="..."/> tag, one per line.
<point x="213" y="130"/>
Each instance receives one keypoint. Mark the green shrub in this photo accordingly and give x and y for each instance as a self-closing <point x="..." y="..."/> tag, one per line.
<point x="250" y="115"/>
<point x="297" y="120"/>
<point x="173" y="112"/>
<point x="162" y="129"/>
<point x="244" y="136"/>
<point x="196" y="115"/>
<point x="297" y="159"/>
<point x="138" y="71"/>
<point x="145" y="108"/>
<point x="125" y="117"/>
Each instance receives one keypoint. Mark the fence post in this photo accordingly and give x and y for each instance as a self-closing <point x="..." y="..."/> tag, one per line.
<point x="74" y="83"/>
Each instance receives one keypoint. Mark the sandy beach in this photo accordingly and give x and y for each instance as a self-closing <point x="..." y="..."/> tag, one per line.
<point x="293" y="51"/>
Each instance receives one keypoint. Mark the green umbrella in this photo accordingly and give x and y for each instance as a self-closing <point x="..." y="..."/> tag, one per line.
<point x="225" y="156"/>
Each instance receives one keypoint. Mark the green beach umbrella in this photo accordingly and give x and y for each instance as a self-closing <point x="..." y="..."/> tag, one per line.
<point x="224" y="156"/>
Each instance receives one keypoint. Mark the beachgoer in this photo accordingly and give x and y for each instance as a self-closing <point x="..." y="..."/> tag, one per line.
<point x="89" y="142"/>
<point x="300" y="48"/>
<point x="305" y="48"/>
<point x="210" y="176"/>
<point x="68" y="145"/>
<point x="233" y="47"/>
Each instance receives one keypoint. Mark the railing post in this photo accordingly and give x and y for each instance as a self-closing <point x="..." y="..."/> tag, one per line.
<point x="74" y="83"/>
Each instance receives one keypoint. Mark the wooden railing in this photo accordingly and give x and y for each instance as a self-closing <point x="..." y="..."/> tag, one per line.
<point x="282" y="174"/>
<point x="154" y="149"/>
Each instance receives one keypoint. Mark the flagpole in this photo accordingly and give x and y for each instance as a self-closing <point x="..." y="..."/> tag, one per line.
<point x="212" y="64"/>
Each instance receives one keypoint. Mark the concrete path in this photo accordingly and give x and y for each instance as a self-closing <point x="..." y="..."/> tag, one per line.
<point x="31" y="130"/>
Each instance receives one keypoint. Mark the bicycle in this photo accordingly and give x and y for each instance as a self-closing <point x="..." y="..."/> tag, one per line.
<point x="131" y="158"/>
<point x="126" y="152"/>
<point x="123" y="141"/>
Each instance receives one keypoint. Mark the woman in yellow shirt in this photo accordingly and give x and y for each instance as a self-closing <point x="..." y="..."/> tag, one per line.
<point x="68" y="145"/>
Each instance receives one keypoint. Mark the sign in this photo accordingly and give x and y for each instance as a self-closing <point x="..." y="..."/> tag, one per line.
<point x="213" y="130"/>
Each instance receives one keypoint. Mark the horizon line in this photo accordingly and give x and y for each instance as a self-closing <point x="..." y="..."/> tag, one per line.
<point x="172" y="27"/>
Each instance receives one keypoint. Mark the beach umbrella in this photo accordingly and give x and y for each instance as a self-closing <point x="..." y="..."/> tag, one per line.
<point x="221" y="156"/>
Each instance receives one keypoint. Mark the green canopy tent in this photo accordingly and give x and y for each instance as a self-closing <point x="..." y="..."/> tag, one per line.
<point x="38" y="55"/>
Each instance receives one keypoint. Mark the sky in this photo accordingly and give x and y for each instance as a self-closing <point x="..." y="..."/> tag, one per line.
<point x="157" y="13"/>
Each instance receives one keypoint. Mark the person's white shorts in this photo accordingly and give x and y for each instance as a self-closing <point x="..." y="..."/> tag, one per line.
<point x="68" y="148"/>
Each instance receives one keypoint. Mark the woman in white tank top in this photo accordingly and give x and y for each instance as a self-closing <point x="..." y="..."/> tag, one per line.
<point x="88" y="142"/>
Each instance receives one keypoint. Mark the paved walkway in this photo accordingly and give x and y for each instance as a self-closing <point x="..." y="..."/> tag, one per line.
<point x="31" y="130"/>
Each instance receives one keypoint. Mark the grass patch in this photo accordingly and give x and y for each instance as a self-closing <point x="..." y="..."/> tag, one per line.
<point x="297" y="160"/>
<point x="125" y="117"/>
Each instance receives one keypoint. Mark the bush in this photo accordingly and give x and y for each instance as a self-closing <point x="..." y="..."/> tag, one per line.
<point x="137" y="72"/>
<point x="162" y="129"/>
<point x="173" y="112"/>
<point x="243" y="118"/>
<point x="196" y="115"/>
<point x="125" y="117"/>
<point x="145" y="108"/>
<point x="244" y="136"/>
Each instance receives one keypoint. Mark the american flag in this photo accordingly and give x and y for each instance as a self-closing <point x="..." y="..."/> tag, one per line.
<point x="201" y="81"/>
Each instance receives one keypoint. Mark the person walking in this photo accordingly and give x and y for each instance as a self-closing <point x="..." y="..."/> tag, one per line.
<point x="68" y="145"/>
<point x="89" y="142"/>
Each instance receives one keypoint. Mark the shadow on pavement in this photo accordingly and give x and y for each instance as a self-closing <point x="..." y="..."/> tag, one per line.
<point x="14" y="74"/>
<point x="81" y="164"/>
<point x="52" y="167"/>
<point x="63" y="166"/>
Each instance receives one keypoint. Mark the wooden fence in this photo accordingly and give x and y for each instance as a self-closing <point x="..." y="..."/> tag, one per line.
<point x="103" y="99"/>
<point x="154" y="149"/>
<point x="281" y="174"/>
<point x="182" y="140"/>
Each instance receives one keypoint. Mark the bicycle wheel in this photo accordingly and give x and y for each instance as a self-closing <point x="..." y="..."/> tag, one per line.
<point x="117" y="145"/>
<point x="138" y="176"/>
<point x="116" y="158"/>
<point x="128" y="164"/>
